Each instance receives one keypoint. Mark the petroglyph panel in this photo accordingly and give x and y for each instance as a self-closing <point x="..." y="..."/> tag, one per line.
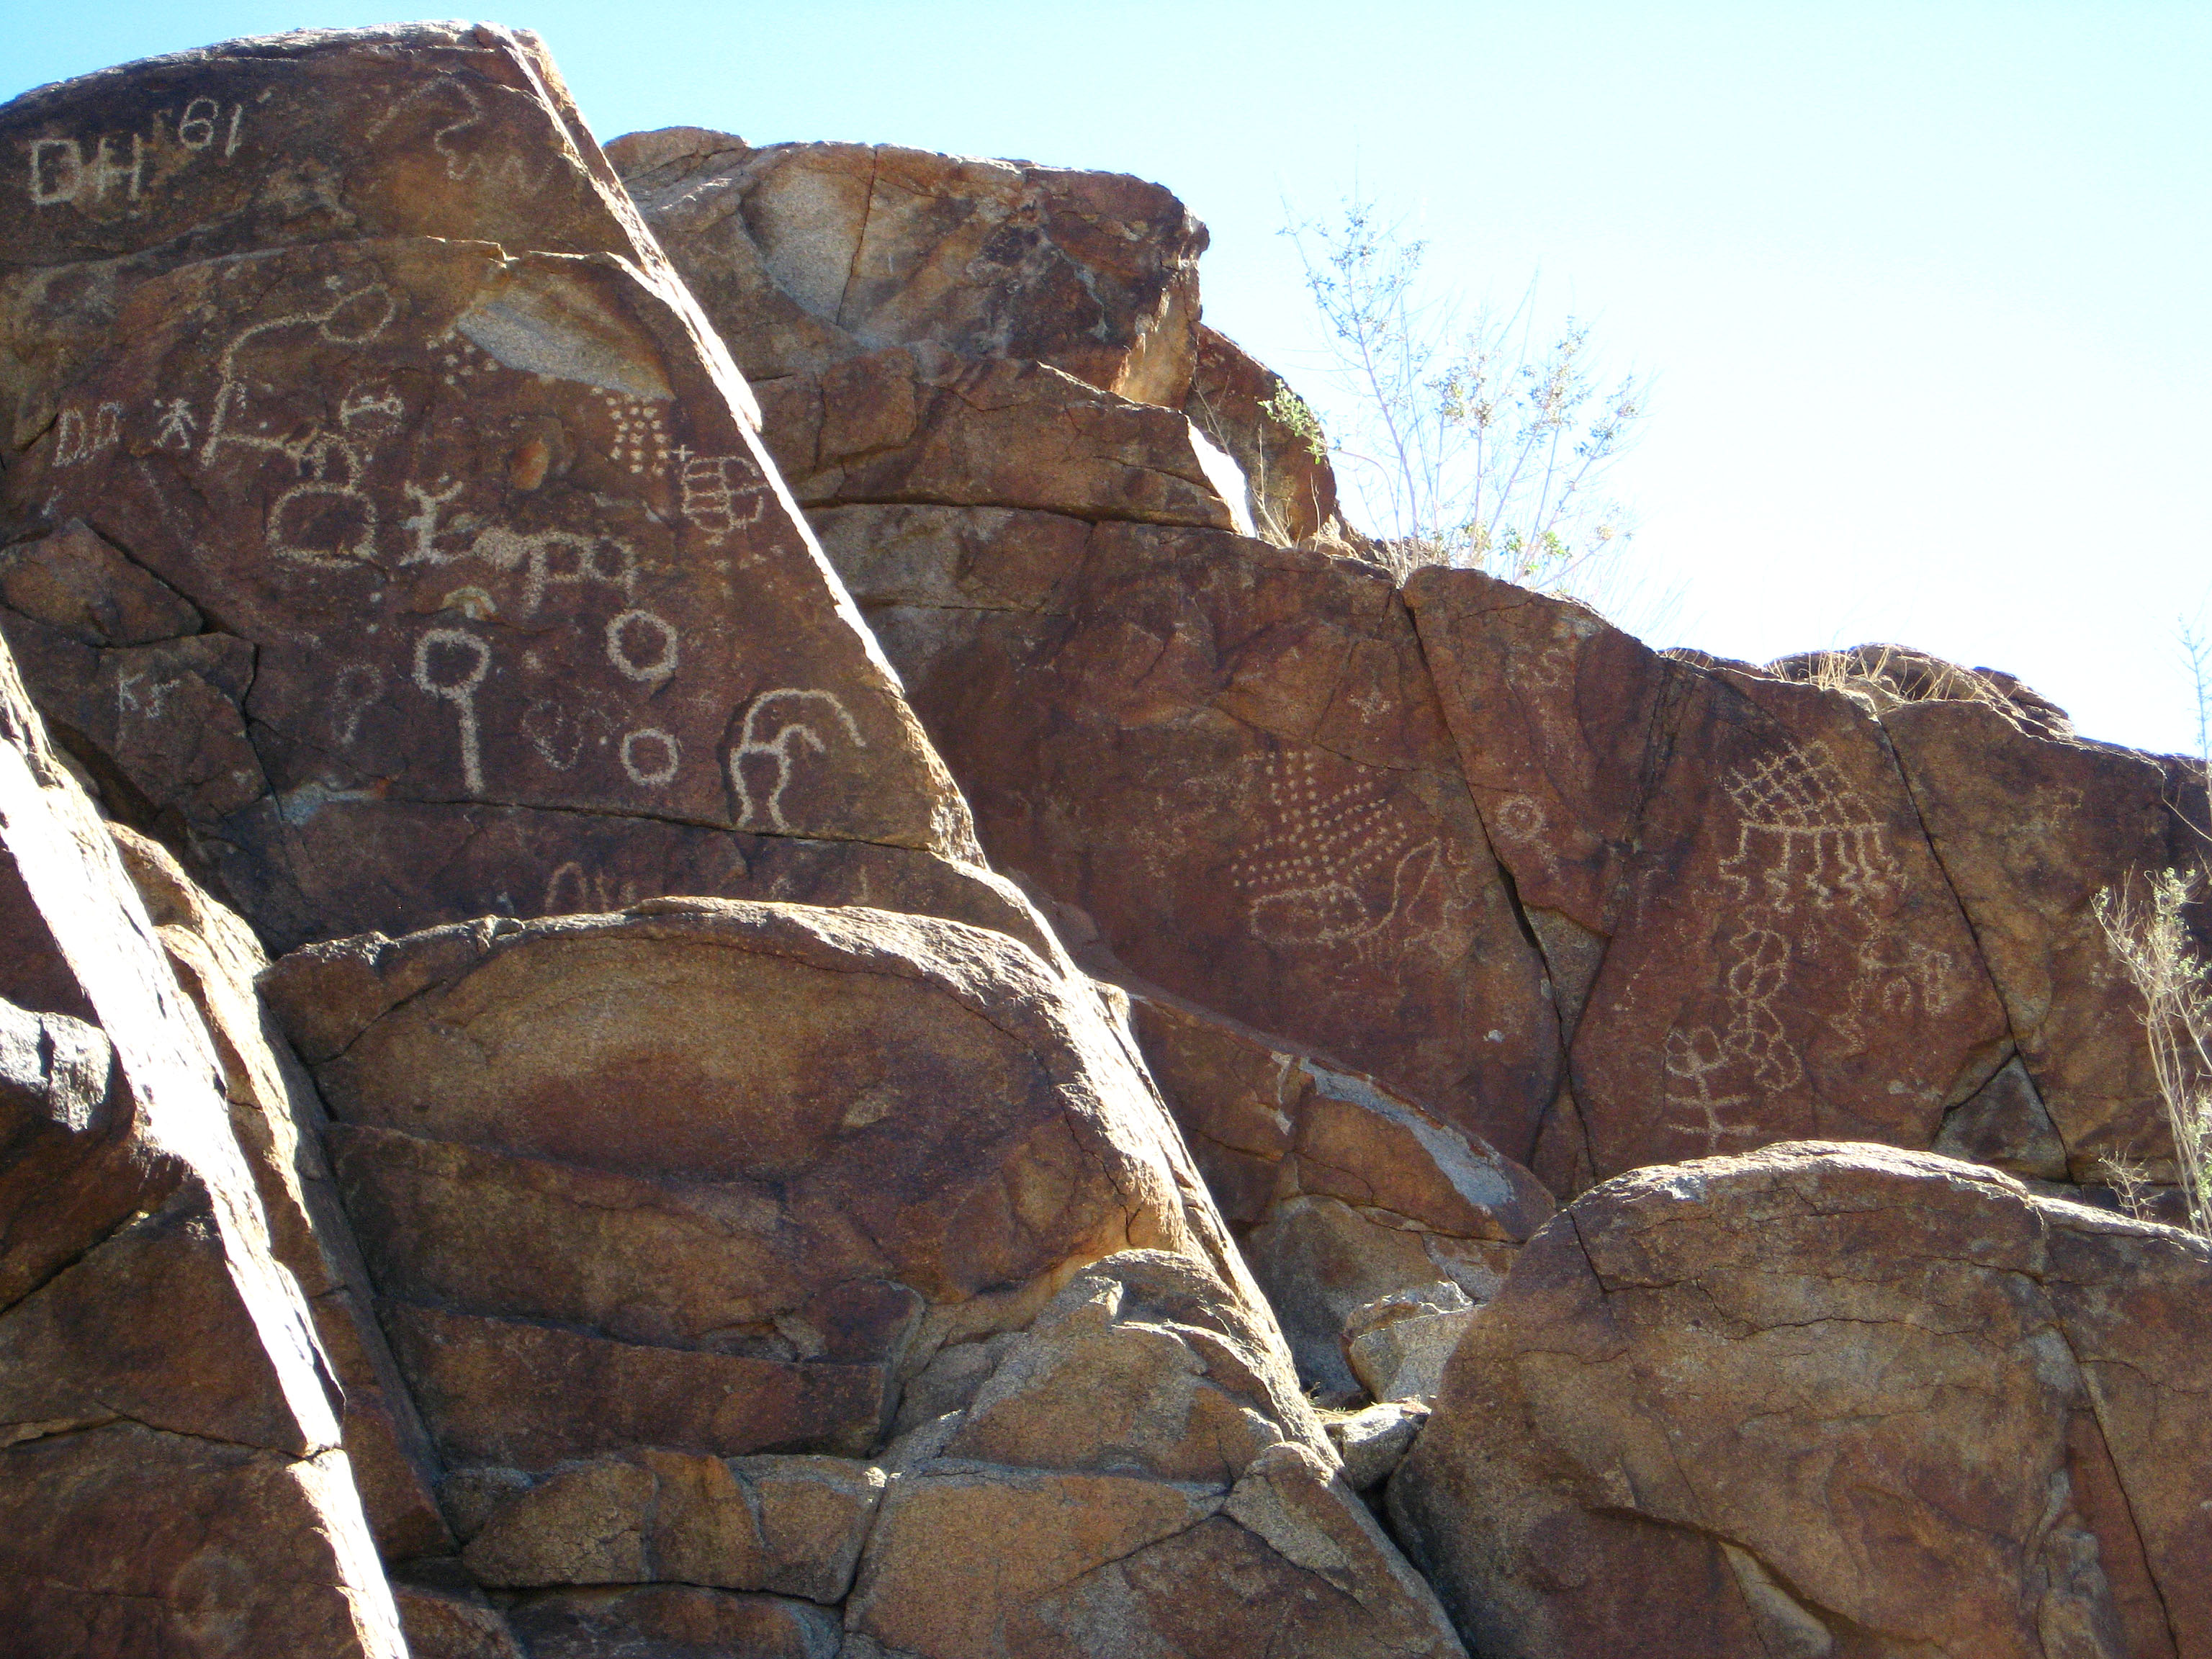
<point x="1225" y="759"/>
<point x="466" y="580"/>
<point x="1786" y="948"/>
<point x="1335" y="860"/>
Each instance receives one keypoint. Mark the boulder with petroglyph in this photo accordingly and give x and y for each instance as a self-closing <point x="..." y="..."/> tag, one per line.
<point x="511" y="612"/>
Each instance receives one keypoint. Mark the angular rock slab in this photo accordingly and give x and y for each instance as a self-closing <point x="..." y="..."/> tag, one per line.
<point x="1224" y="762"/>
<point x="807" y="254"/>
<point x="1824" y="1400"/>
<point x="1730" y="879"/>
<point x="1338" y="1191"/>
<point x="495" y="533"/>
<point x="2030" y="828"/>
<point x="717" y="1177"/>
<point x="915" y="424"/>
<point x="1139" y="1472"/>
<point x="172" y="1477"/>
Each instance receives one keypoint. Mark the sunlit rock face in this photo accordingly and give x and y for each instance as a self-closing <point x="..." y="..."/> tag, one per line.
<point x="729" y="923"/>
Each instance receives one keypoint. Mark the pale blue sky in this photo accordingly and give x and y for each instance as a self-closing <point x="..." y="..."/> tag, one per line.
<point x="1922" y="286"/>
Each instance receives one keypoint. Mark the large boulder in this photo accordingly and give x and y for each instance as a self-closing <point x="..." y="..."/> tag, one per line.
<point x="510" y="612"/>
<point x="172" y="1478"/>
<point x="809" y="254"/>
<point x="1826" y="1400"/>
<point x="1733" y="890"/>
<point x="716" y="1238"/>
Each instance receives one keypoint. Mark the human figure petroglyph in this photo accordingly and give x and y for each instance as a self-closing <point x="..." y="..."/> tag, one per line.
<point x="441" y="679"/>
<point x="1693" y="1058"/>
<point x="1318" y="875"/>
<point x="176" y="423"/>
<point x="778" y="723"/>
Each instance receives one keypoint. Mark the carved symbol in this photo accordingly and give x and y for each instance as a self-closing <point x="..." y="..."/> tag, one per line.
<point x="456" y="684"/>
<point x="1336" y="862"/>
<point x="642" y="647"/>
<point x="353" y="694"/>
<point x="1806" y="841"/>
<point x="176" y="423"/>
<point x="777" y="723"/>
<point x="592" y="891"/>
<point x="651" y="756"/>
<point x="711" y="498"/>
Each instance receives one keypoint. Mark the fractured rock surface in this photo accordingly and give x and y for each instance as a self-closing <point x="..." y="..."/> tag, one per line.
<point x="515" y="614"/>
<point x="172" y="1477"/>
<point x="1823" y="1400"/>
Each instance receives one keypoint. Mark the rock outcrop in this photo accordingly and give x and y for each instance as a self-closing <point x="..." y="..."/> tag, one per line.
<point x="731" y="923"/>
<point x="174" y="1477"/>
<point x="369" y="358"/>
<point x="1826" y="1400"/>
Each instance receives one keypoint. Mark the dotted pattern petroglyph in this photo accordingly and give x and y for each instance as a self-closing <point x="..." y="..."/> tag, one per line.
<point x="1335" y="860"/>
<point x="640" y="435"/>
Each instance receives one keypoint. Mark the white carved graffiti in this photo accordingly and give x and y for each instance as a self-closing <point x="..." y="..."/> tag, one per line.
<point x="441" y="679"/>
<point x="778" y="723"/>
<point x="202" y="123"/>
<point x="80" y="434"/>
<point x="65" y="171"/>
<point x="61" y="171"/>
<point x="1335" y="862"/>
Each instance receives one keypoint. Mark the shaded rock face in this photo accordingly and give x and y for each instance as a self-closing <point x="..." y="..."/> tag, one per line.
<point x="1823" y="1400"/>
<point x="1225" y="761"/>
<point x="815" y="253"/>
<point x="1341" y="1194"/>
<point x="514" y="615"/>
<point x="1733" y="868"/>
<point x="172" y="1478"/>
